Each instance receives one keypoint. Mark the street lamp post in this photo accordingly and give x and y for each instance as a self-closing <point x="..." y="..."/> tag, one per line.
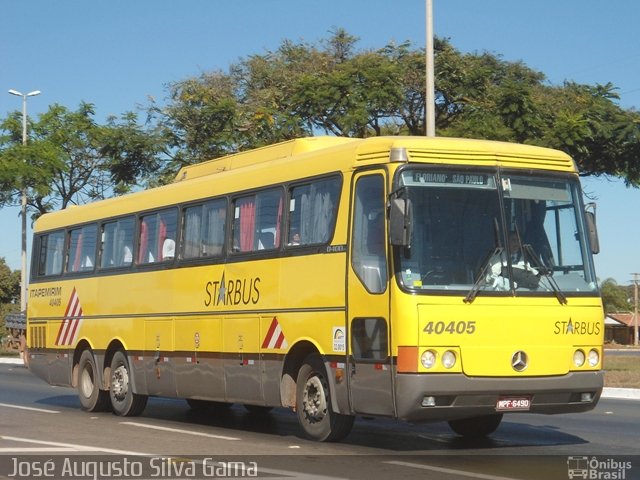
<point x="430" y="102"/>
<point x="23" y="211"/>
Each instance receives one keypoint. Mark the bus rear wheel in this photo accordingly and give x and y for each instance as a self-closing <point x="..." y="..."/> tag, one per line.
<point x="476" y="427"/>
<point x="91" y="397"/>
<point x="124" y="401"/>
<point x="313" y="404"/>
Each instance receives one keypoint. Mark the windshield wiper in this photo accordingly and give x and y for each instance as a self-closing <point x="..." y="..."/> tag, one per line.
<point x="482" y="277"/>
<point x="545" y="271"/>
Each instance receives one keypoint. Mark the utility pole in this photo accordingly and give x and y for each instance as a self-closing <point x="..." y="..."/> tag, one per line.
<point x="430" y="100"/>
<point x="635" y="308"/>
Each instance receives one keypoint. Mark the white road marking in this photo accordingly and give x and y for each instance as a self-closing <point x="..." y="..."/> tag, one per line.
<point x="289" y="474"/>
<point x="450" y="471"/>
<point x="74" y="447"/>
<point x="32" y="409"/>
<point x="178" y="430"/>
<point x="26" y="450"/>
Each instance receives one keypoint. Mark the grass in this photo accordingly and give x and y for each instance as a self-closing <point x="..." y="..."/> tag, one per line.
<point x="621" y="371"/>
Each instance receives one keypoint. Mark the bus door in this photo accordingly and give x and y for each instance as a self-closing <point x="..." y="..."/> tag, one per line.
<point x="369" y="361"/>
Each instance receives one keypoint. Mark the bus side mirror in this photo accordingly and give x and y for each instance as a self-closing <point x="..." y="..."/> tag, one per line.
<point x="592" y="229"/>
<point x="400" y="222"/>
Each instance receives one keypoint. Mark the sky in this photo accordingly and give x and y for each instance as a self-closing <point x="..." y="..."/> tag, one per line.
<point x="117" y="54"/>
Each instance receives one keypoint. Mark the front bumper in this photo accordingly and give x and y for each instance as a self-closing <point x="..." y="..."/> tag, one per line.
<point x="459" y="396"/>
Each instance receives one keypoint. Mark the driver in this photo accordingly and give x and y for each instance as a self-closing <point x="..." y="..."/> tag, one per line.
<point x="524" y="275"/>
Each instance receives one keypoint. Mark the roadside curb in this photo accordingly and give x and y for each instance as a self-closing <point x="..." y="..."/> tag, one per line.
<point x="621" y="393"/>
<point x="12" y="360"/>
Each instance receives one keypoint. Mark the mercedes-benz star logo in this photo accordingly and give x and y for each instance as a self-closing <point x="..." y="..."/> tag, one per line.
<point x="519" y="361"/>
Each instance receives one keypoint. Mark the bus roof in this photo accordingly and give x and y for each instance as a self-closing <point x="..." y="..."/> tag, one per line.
<point x="445" y="150"/>
<point x="298" y="158"/>
<point x="260" y="155"/>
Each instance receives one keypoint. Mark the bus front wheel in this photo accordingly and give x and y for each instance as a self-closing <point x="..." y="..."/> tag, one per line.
<point x="124" y="401"/>
<point x="476" y="427"/>
<point x="91" y="397"/>
<point x="313" y="404"/>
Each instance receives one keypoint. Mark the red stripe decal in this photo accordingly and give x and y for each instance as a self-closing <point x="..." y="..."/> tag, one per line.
<point x="272" y="328"/>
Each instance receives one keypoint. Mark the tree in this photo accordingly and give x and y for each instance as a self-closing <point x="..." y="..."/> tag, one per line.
<point x="615" y="298"/>
<point x="9" y="284"/>
<point x="332" y="87"/>
<point x="71" y="159"/>
<point x="305" y="89"/>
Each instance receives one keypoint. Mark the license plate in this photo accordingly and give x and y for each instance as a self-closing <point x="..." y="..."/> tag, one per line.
<point x="509" y="404"/>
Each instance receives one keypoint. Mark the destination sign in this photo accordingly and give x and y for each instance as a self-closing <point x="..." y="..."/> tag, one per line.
<point x="421" y="177"/>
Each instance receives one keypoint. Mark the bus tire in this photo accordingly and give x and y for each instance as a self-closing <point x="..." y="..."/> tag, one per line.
<point x="313" y="404"/>
<point x="476" y="427"/>
<point x="92" y="399"/>
<point x="124" y="401"/>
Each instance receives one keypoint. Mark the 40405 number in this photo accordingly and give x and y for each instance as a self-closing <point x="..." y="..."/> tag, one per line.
<point x="460" y="327"/>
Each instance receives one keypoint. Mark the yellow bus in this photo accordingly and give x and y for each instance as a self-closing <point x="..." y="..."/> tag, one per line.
<point x="416" y="278"/>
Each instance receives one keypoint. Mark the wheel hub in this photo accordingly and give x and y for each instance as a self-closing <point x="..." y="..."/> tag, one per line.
<point x="120" y="383"/>
<point x="314" y="400"/>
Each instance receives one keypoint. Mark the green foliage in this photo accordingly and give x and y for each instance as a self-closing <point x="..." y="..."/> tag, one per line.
<point x="615" y="298"/>
<point x="71" y="159"/>
<point x="130" y="153"/>
<point x="9" y="284"/>
<point x="303" y="89"/>
<point x="334" y="88"/>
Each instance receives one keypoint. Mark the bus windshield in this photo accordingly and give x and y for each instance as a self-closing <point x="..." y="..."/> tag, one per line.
<point x="486" y="232"/>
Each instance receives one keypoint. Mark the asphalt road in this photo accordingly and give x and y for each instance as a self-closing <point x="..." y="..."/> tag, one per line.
<point x="39" y="422"/>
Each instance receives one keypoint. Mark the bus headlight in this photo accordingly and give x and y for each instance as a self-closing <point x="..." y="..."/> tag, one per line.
<point x="428" y="359"/>
<point x="448" y="359"/>
<point x="594" y="357"/>
<point x="578" y="358"/>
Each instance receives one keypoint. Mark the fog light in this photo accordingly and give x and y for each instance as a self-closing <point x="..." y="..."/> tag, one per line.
<point x="578" y="358"/>
<point x="586" y="397"/>
<point x="428" y="359"/>
<point x="429" y="402"/>
<point x="448" y="359"/>
<point x="594" y="357"/>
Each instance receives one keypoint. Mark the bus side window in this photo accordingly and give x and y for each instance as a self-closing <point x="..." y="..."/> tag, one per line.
<point x="369" y="339"/>
<point x="244" y="224"/>
<point x="117" y="243"/>
<point x="51" y="253"/>
<point x="312" y="212"/>
<point x="157" y="236"/>
<point x="368" y="242"/>
<point x="168" y="223"/>
<point x="147" y="239"/>
<point x="203" y="229"/>
<point x="257" y="221"/>
<point x="82" y="249"/>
